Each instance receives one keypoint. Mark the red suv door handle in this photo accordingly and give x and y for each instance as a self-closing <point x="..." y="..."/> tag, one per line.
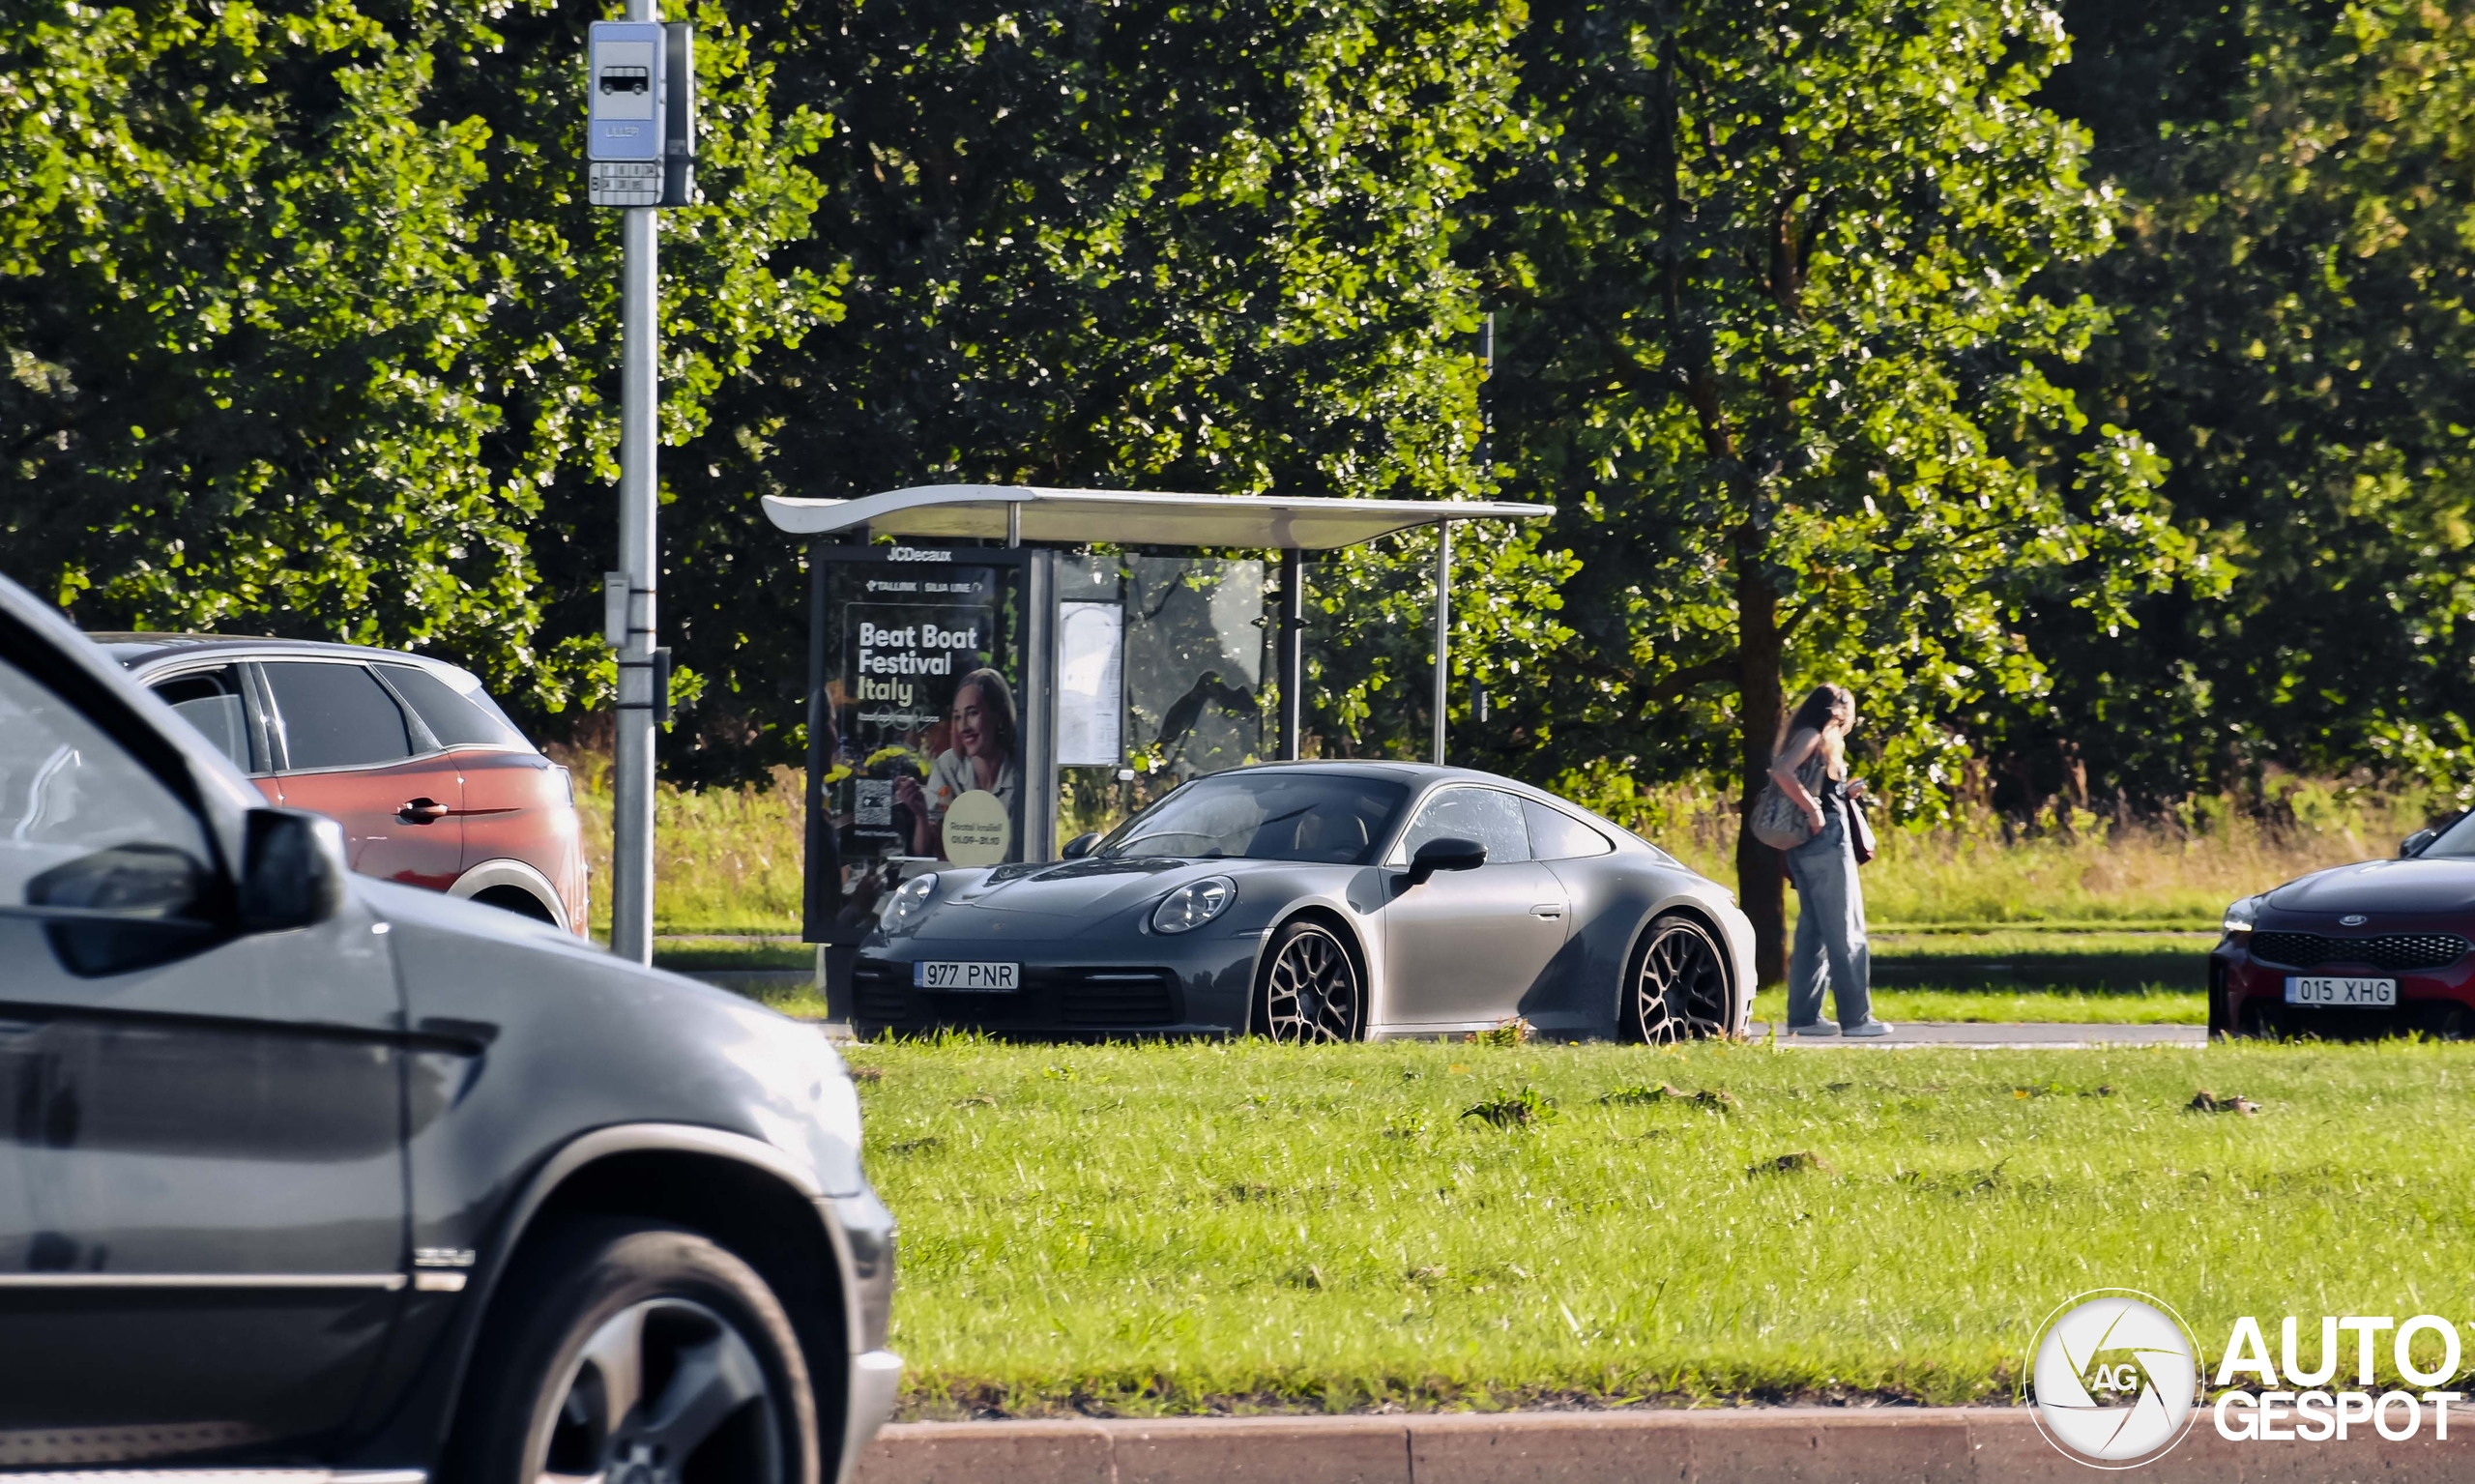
<point x="422" y="811"/>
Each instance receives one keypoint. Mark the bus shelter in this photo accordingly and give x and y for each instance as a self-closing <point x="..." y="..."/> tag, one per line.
<point x="960" y="672"/>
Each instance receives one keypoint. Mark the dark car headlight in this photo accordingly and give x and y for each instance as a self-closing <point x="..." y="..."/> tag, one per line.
<point x="1194" y="904"/>
<point x="909" y="904"/>
<point x="2238" y="917"/>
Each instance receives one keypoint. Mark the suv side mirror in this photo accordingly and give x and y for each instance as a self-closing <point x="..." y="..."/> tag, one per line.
<point x="292" y="871"/>
<point x="2413" y="845"/>
<point x="1445" y="854"/>
<point x="1080" y="846"/>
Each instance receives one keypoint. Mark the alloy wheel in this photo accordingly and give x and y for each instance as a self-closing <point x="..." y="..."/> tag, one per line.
<point x="1679" y="990"/>
<point x="665" y="1392"/>
<point x="1312" y="993"/>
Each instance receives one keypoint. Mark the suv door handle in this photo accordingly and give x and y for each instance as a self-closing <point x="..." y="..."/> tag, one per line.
<point x="422" y="811"/>
<point x="1547" y="911"/>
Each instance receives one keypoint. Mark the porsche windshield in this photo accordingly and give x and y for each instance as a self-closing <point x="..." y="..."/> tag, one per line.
<point x="1336" y="819"/>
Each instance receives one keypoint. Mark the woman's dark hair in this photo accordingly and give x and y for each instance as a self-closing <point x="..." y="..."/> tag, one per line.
<point x="998" y="698"/>
<point x="1815" y="712"/>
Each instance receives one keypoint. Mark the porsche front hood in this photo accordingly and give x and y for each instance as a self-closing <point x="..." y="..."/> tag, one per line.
<point x="1066" y="900"/>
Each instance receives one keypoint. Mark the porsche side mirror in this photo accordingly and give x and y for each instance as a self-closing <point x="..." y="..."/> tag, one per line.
<point x="1080" y="846"/>
<point x="292" y="871"/>
<point x="2413" y="845"/>
<point x="1445" y="854"/>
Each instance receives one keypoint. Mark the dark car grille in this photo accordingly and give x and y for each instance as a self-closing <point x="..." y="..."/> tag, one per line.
<point x="881" y="992"/>
<point x="1101" y="999"/>
<point x="2392" y="950"/>
<point x="1116" y="997"/>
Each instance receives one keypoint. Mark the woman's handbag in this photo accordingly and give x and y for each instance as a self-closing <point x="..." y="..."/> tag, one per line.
<point x="1778" y="822"/>
<point x="1860" y="829"/>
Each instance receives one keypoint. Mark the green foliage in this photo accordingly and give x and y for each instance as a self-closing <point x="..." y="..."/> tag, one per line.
<point x="1807" y="324"/>
<point x="1098" y="245"/>
<point x="307" y="321"/>
<point x="1528" y="1108"/>
<point x="1775" y="350"/>
<point x="2296" y="328"/>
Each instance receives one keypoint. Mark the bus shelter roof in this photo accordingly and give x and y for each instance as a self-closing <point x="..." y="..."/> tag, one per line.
<point x="1129" y="517"/>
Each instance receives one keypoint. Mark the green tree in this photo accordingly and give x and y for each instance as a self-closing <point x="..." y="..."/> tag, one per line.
<point x="310" y="328"/>
<point x="1770" y="340"/>
<point x="1162" y="247"/>
<point x="2296" y="182"/>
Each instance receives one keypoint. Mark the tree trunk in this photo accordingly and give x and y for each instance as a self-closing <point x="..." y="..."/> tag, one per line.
<point x="1761" y="873"/>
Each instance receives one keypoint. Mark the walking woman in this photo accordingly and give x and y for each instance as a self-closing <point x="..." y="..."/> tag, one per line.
<point x="1809" y="765"/>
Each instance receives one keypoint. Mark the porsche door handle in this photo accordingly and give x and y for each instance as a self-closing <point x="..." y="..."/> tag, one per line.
<point x="422" y="811"/>
<point x="1548" y="911"/>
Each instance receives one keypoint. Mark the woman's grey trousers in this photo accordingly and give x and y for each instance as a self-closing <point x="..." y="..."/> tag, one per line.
<point x="1830" y="950"/>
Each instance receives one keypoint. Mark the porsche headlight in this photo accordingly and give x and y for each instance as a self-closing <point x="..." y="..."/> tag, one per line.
<point x="1194" y="904"/>
<point x="909" y="904"/>
<point x="2238" y="917"/>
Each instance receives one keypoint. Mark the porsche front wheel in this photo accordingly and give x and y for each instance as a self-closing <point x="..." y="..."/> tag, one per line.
<point x="1311" y="990"/>
<point x="1677" y="987"/>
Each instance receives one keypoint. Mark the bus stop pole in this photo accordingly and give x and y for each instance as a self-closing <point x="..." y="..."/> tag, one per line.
<point x="1292" y="651"/>
<point x="631" y="770"/>
<point x="1442" y="627"/>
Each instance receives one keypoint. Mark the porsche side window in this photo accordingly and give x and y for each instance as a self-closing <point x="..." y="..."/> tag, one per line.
<point x="1491" y="817"/>
<point x="210" y="700"/>
<point x="1555" y="835"/>
<point x="83" y="825"/>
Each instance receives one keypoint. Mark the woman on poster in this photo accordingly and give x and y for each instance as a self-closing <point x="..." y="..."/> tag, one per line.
<point x="982" y="759"/>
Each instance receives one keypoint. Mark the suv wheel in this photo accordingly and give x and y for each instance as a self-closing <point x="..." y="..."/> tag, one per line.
<point x="636" y="1354"/>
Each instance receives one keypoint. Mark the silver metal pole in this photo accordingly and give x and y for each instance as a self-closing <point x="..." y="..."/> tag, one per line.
<point x="1442" y="627"/>
<point x="1292" y="653"/>
<point x="631" y="823"/>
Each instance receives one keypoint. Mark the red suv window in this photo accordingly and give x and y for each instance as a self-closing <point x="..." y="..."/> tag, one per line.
<point x="337" y="716"/>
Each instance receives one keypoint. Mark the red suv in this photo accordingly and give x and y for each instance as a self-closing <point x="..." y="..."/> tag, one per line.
<point x="432" y="783"/>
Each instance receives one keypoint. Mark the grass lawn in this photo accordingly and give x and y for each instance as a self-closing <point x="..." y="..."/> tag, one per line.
<point x="1185" y="1228"/>
<point x="2000" y="1006"/>
<point x="2011" y="974"/>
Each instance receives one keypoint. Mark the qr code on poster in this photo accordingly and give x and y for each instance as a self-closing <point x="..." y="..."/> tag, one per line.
<point x="874" y="805"/>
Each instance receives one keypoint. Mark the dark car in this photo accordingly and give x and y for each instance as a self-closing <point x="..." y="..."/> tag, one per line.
<point x="1321" y="902"/>
<point x="316" y="1172"/>
<point x="434" y="786"/>
<point x="2378" y="948"/>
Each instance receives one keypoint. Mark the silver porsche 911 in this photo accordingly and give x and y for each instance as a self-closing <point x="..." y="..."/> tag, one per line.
<point x="1320" y="902"/>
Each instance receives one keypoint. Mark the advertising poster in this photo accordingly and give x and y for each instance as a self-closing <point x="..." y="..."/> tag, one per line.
<point x="926" y="742"/>
<point x="1091" y="685"/>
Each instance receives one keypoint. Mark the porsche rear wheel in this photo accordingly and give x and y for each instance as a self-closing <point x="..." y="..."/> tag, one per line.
<point x="1676" y="989"/>
<point x="1311" y="990"/>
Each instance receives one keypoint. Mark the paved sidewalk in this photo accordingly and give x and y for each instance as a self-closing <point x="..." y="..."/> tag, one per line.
<point x="1735" y="1445"/>
<point x="2009" y="1036"/>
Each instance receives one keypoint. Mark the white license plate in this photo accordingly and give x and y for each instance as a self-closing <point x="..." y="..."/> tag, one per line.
<point x="2319" y="989"/>
<point x="967" y="978"/>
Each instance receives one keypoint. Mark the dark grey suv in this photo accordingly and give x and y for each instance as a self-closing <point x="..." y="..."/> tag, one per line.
<point x="310" y="1172"/>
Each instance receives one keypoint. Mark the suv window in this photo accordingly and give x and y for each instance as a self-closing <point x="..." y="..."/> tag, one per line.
<point x="1555" y="835"/>
<point x="455" y="717"/>
<point x="1485" y="815"/>
<point x="82" y="824"/>
<point x="336" y="716"/>
<point x="210" y="700"/>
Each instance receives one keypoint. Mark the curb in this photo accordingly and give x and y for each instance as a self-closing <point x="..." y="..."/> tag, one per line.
<point x="1747" y="1445"/>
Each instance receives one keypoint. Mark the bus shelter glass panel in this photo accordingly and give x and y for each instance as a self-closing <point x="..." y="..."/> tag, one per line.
<point x="1193" y="675"/>
<point x="923" y="730"/>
